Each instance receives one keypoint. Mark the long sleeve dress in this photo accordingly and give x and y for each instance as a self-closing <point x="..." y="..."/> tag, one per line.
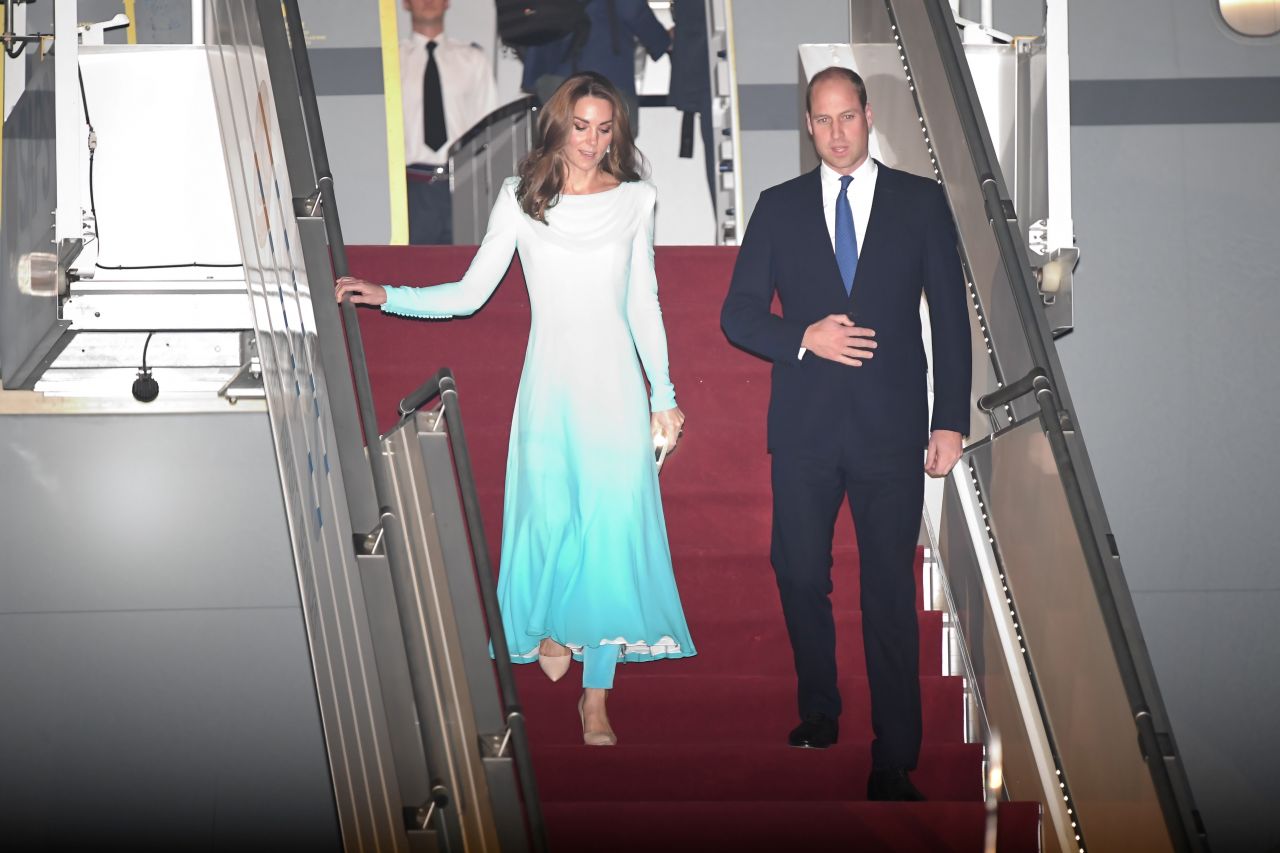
<point x="585" y="558"/>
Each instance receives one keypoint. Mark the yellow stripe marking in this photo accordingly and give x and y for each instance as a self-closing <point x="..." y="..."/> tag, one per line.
<point x="132" y="13"/>
<point x="395" y="122"/>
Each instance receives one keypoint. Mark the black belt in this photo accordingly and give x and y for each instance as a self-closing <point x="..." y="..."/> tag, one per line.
<point x="425" y="173"/>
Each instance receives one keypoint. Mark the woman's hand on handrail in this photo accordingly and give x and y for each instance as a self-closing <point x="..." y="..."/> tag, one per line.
<point x="357" y="291"/>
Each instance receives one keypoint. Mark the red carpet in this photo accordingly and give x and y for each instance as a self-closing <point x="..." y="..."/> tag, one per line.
<point x="702" y="762"/>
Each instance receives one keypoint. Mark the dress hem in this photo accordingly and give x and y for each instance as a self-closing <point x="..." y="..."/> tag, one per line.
<point x="629" y="651"/>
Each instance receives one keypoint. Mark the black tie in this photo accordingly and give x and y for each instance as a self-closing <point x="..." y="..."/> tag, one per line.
<point x="433" y="102"/>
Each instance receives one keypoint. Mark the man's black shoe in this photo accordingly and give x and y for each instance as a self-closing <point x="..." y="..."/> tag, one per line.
<point x="892" y="786"/>
<point x="818" y="731"/>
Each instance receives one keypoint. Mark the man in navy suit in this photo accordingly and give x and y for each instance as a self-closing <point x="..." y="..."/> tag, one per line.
<point x="848" y="248"/>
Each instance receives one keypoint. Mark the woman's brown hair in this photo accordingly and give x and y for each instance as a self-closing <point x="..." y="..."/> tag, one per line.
<point x="543" y="170"/>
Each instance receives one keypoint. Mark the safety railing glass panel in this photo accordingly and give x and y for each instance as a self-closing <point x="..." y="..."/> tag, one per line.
<point x="975" y="605"/>
<point x="1071" y="657"/>
<point x="1040" y="654"/>
<point x="482" y="159"/>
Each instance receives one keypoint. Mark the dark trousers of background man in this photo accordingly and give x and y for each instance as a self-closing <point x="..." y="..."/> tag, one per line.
<point x="430" y="205"/>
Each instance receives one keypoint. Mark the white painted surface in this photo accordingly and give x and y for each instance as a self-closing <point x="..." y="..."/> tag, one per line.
<point x="159" y="178"/>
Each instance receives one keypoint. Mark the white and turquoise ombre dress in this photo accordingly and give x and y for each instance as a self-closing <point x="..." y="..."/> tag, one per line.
<point x="585" y="558"/>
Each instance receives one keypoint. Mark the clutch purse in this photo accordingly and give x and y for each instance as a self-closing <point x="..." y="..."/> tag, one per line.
<point x="660" y="448"/>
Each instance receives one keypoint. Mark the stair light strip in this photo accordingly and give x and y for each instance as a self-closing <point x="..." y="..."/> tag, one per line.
<point x="1022" y="676"/>
<point x="937" y="175"/>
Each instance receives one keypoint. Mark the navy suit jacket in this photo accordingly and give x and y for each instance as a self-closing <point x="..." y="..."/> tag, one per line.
<point x="909" y="247"/>
<point x="635" y="22"/>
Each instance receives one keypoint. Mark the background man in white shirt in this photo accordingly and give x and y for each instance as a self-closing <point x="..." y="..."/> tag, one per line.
<point x="446" y="87"/>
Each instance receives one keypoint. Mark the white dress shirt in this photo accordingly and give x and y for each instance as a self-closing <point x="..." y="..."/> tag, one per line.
<point x="466" y="82"/>
<point x="861" y="190"/>
<point x="860" y="193"/>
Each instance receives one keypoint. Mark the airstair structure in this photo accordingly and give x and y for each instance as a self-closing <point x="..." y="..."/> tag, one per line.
<point x="195" y="487"/>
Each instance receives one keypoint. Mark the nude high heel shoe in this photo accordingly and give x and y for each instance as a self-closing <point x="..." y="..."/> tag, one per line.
<point x="555" y="666"/>
<point x="602" y="738"/>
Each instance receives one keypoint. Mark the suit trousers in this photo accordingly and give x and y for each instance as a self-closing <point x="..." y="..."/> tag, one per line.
<point x="430" y="210"/>
<point x="808" y="491"/>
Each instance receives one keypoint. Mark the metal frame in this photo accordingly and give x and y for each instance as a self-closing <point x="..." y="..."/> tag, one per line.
<point x="432" y="629"/>
<point x="727" y="121"/>
<point x="66" y="57"/>
<point x="31" y="332"/>
<point x="255" y="124"/>
<point x="1058" y="140"/>
<point x="504" y="740"/>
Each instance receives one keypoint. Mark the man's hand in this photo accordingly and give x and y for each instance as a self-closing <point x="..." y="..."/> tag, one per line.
<point x="357" y="291"/>
<point x="836" y="338"/>
<point x="945" y="447"/>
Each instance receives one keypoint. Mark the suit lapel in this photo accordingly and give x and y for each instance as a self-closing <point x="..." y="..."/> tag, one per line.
<point x="814" y="227"/>
<point x="882" y="202"/>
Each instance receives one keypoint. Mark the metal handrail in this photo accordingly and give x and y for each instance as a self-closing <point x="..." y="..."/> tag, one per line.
<point x="444" y="386"/>
<point x="528" y="103"/>
<point x="337" y="248"/>
<point x="1034" y="380"/>
<point x="423" y="394"/>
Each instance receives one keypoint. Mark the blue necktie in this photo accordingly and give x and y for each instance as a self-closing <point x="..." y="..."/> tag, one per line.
<point x="846" y="236"/>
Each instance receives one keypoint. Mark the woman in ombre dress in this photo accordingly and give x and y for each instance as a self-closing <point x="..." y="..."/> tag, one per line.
<point x="585" y="566"/>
